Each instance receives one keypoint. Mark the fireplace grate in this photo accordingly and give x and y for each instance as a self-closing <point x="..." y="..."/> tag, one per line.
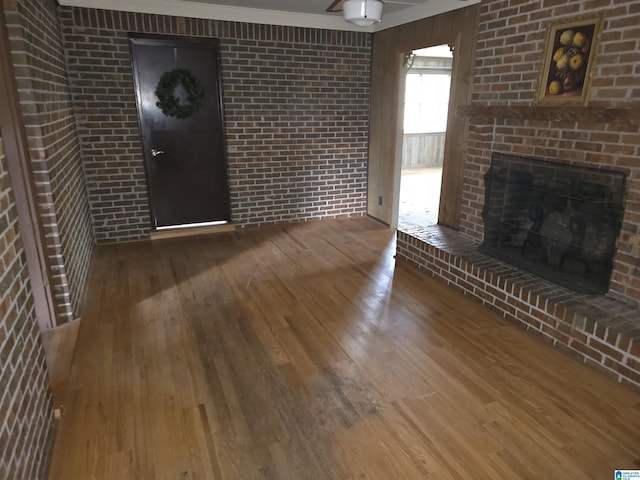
<point x="558" y="221"/>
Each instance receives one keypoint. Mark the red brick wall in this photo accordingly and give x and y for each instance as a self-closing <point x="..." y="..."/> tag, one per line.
<point x="511" y="38"/>
<point x="45" y="99"/>
<point x="296" y="106"/>
<point x="26" y="421"/>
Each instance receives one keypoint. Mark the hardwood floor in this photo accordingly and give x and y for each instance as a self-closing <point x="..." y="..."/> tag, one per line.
<point x="303" y="352"/>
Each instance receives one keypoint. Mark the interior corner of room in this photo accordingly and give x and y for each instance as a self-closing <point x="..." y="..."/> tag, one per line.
<point x="247" y="238"/>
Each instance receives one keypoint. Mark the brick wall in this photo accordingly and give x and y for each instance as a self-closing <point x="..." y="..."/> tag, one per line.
<point x="296" y="106"/>
<point x="47" y="109"/>
<point x="26" y="421"/>
<point x="511" y="39"/>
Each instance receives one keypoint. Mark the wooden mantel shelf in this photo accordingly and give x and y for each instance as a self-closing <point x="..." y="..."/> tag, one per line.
<point x="558" y="113"/>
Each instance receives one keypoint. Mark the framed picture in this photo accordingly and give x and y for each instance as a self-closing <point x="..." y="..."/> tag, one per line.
<point x="569" y="56"/>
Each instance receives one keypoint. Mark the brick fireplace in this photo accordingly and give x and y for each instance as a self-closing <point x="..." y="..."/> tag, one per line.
<point x="558" y="221"/>
<point x="604" y="134"/>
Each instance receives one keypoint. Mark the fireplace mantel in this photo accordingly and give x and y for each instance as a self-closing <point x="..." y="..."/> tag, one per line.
<point x="560" y="113"/>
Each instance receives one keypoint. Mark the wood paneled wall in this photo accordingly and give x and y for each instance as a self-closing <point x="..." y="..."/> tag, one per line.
<point x="456" y="28"/>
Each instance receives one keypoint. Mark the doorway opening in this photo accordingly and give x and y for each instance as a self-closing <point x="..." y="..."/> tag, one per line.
<point x="426" y="104"/>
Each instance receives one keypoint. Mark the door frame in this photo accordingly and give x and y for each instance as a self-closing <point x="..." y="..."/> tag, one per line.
<point x="16" y="146"/>
<point x="152" y="39"/>
<point x="459" y="28"/>
<point x="448" y="139"/>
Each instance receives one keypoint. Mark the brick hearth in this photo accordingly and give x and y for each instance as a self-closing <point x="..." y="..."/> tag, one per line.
<point x="601" y="330"/>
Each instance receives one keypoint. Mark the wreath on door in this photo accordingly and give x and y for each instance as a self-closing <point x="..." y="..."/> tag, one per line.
<point x="169" y="103"/>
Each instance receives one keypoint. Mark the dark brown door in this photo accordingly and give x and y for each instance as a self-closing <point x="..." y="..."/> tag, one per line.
<point x="184" y="148"/>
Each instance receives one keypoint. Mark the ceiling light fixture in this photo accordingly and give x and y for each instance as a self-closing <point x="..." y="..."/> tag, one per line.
<point x="362" y="12"/>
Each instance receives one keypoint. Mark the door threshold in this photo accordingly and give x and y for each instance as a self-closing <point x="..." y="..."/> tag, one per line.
<point x="192" y="230"/>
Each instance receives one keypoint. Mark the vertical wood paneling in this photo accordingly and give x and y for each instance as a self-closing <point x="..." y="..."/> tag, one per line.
<point x="375" y="125"/>
<point x="456" y="28"/>
<point x="422" y="150"/>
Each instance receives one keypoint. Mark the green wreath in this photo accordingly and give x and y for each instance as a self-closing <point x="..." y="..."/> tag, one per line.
<point x="169" y="103"/>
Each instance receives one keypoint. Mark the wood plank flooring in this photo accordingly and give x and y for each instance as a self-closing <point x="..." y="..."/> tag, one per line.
<point x="303" y="352"/>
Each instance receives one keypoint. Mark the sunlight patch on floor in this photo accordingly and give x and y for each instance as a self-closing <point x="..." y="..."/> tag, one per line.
<point x="419" y="197"/>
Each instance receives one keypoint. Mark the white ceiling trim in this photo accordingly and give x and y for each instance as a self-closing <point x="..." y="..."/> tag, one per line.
<point x="271" y="17"/>
<point x="422" y="10"/>
<point x="221" y="12"/>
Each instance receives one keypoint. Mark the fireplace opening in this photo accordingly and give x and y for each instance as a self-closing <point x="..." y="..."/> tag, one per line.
<point x="558" y="221"/>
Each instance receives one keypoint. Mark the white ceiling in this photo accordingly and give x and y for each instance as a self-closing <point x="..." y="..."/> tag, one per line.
<point x="301" y="13"/>
<point x="302" y="6"/>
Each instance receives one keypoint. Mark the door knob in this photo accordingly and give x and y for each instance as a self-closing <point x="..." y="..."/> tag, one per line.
<point x="155" y="152"/>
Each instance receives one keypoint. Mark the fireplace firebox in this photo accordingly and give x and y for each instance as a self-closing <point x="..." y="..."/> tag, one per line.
<point x="558" y="221"/>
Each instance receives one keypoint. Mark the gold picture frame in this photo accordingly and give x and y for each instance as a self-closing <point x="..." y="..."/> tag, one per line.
<point x="570" y="51"/>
